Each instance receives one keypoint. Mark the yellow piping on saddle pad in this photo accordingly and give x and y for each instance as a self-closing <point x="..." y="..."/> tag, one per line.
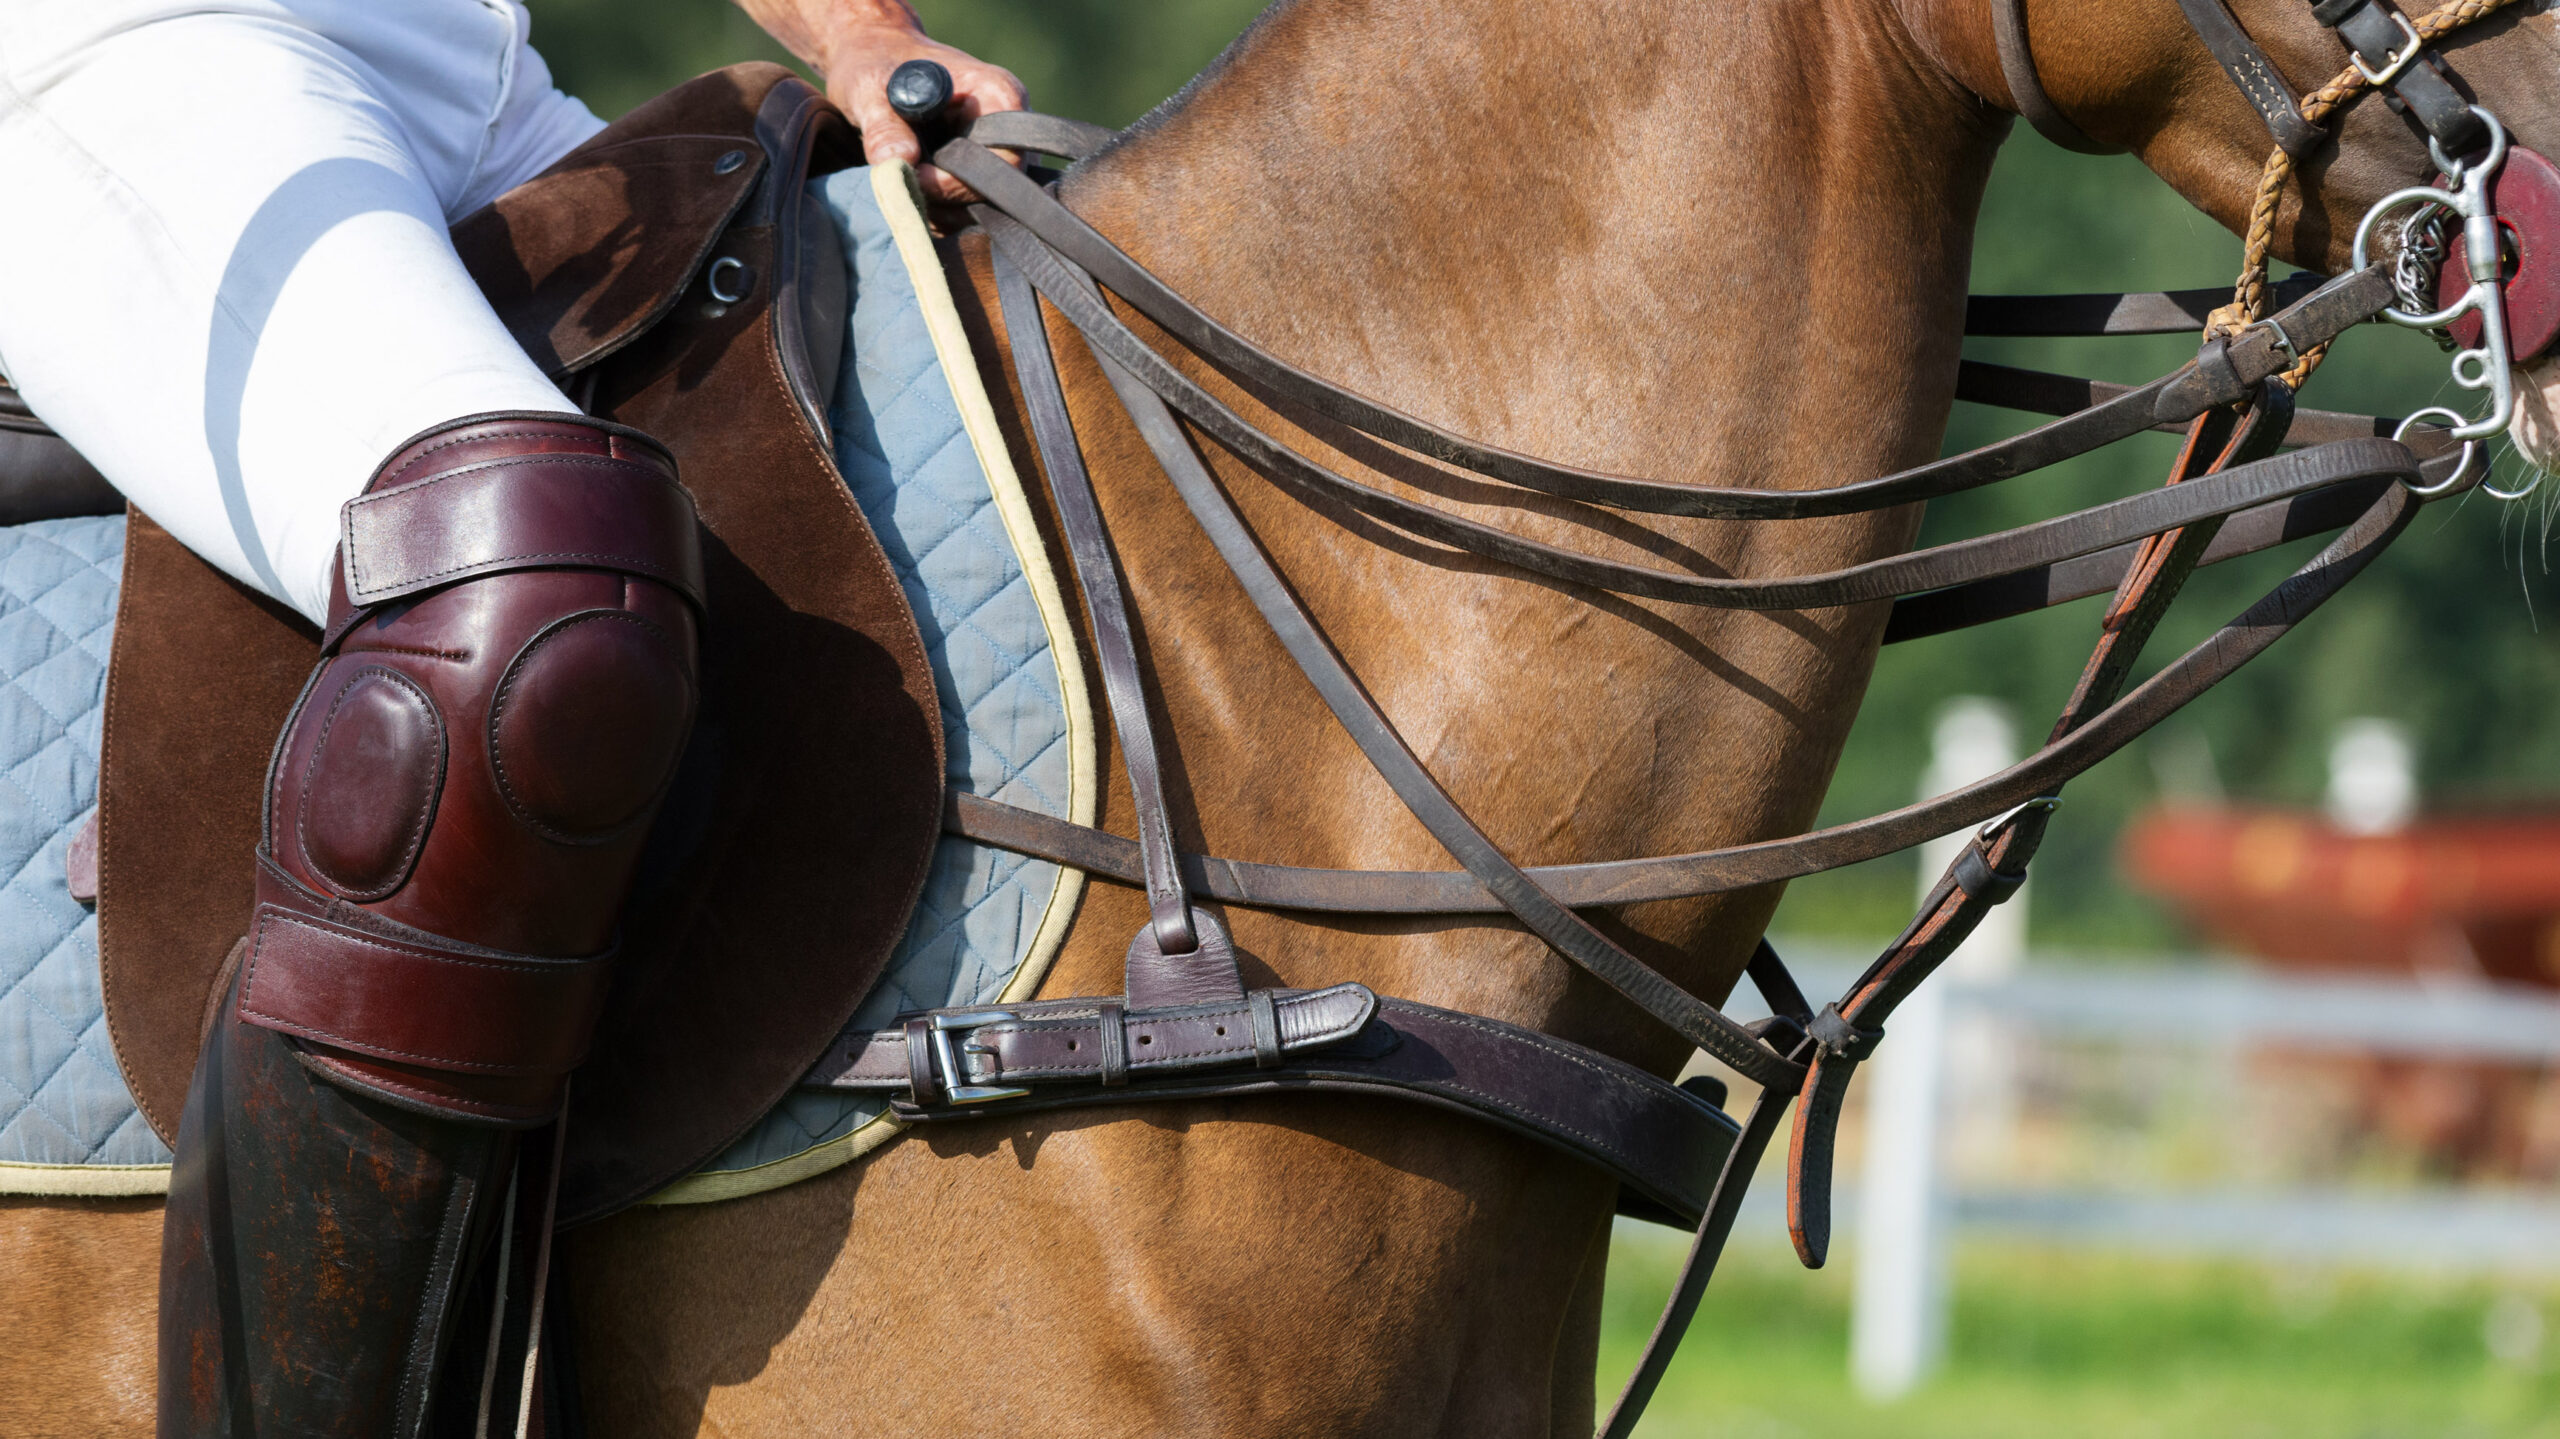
<point x="84" y="1181"/>
<point x="902" y="203"/>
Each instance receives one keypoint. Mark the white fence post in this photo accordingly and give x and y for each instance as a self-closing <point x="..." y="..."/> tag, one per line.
<point x="1898" y="1327"/>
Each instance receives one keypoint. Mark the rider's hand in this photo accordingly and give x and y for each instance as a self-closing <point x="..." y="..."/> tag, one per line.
<point x="854" y="44"/>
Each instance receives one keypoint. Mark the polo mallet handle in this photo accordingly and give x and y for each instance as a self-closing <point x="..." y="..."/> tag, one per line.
<point x="920" y="91"/>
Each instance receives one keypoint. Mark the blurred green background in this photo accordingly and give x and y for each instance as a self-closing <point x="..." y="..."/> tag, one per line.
<point x="2444" y="636"/>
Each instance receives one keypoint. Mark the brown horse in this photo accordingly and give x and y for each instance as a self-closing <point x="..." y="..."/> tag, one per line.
<point x="1709" y="241"/>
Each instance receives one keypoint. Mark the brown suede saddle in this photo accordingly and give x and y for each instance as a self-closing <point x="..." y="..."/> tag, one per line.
<point x="673" y="274"/>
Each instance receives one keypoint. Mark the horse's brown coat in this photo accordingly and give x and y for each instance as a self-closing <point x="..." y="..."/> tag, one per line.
<point x="1709" y="240"/>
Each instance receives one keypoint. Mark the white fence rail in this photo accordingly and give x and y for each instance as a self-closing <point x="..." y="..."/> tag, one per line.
<point x="1902" y="1230"/>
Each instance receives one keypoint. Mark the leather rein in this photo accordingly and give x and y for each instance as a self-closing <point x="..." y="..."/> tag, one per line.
<point x="1185" y="1025"/>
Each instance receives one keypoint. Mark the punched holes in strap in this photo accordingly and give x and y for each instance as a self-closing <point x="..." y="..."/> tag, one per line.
<point x="544" y="511"/>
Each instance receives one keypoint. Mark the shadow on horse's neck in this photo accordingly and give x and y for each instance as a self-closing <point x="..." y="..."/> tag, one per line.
<point x="1657" y="237"/>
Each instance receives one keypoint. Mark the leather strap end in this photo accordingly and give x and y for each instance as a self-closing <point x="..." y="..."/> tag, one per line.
<point x="1809" y="1157"/>
<point x="538" y="511"/>
<point x="465" y="1012"/>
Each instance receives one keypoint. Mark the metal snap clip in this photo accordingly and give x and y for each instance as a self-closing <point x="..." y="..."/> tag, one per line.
<point x="729" y="163"/>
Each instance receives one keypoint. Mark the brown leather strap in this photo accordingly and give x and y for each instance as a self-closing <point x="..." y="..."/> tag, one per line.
<point x="412" y="999"/>
<point x="2154" y="312"/>
<point x="2258" y="78"/>
<point x="1723" y="1207"/>
<point x="2247" y="533"/>
<point x="2216" y="379"/>
<point x="1989" y="869"/>
<point x="1666" y="1146"/>
<point x="1617" y="882"/>
<point x="1075" y="1041"/>
<point x="1046" y="134"/>
<point x="1701" y="1023"/>
<point x="2018" y="70"/>
<point x="1959" y="562"/>
<point x="1097" y="569"/>
<point x="545" y="511"/>
<point x="2380" y="35"/>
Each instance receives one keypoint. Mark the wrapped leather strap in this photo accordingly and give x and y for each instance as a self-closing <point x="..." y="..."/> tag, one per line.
<point x="533" y="512"/>
<point x="410" y="998"/>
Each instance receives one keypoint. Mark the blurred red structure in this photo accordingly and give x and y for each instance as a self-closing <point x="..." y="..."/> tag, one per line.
<point x="2477" y="897"/>
<point x="2452" y="898"/>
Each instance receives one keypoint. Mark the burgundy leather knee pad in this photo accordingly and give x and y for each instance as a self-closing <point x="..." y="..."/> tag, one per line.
<point x="456" y="805"/>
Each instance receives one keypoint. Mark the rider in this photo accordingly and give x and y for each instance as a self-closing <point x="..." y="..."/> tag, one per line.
<point x="226" y="279"/>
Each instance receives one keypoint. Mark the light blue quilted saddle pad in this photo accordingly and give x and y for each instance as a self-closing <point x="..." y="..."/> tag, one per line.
<point x="916" y="443"/>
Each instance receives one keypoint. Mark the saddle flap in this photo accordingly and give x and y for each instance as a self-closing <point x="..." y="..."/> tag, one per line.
<point x="585" y="257"/>
<point x="801" y="822"/>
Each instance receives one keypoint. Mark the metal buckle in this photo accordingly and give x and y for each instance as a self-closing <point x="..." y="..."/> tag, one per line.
<point x="946" y="1061"/>
<point x="2284" y="342"/>
<point x="2399" y="62"/>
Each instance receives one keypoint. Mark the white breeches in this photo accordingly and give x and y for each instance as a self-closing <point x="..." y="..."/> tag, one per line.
<point x="224" y="272"/>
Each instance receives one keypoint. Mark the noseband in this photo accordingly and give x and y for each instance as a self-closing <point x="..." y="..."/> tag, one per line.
<point x="1185" y="1025"/>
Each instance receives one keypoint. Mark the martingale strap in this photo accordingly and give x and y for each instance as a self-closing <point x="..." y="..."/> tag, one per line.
<point x="2144" y="546"/>
<point x="2230" y="493"/>
<point x="1665" y="1144"/>
<point x="2221" y="375"/>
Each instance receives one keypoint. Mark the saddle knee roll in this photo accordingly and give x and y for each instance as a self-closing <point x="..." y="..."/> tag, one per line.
<point x="454" y="810"/>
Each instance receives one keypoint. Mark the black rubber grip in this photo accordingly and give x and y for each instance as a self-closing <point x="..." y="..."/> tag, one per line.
<point x="918" y="91"/>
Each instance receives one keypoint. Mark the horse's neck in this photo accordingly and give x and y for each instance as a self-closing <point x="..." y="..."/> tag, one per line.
<point x="1704" y="242"/>
<point x="1657" y="237"/>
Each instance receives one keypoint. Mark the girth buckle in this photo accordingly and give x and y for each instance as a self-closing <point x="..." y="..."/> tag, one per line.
<point x="946" y="1061"/>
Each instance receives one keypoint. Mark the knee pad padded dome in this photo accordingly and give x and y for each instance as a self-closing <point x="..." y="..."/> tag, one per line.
<point x="587" y="726"/>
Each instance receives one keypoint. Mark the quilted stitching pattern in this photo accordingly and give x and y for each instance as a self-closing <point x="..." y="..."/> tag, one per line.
<point x="907" y="458"/>
<point x="61" y="1098"/>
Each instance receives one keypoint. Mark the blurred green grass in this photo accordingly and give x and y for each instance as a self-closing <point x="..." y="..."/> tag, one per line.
<point x="2046" y="1342"/>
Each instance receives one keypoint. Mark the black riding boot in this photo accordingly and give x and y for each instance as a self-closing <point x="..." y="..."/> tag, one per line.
<point x="453" y="814"/>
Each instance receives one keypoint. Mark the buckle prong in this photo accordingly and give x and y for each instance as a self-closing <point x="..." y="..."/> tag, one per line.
<point x="946" y="1062"/>
<point x="2402" y="61"/>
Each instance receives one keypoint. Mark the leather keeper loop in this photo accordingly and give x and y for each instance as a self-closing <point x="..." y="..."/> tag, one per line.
<point x="1115" y="1043"/>
<point x="2334" y="13"/>
<point x="1266" y="1028"/>
<point x="920" y="1085"/>
<point x="471" y="1012"/>
<point x="1838" y="1037"/>
<point x="1976" y="877"/>
<point x="539" y="511"/>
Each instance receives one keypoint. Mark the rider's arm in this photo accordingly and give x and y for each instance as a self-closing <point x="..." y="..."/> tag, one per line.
<point x="854" y="44"/>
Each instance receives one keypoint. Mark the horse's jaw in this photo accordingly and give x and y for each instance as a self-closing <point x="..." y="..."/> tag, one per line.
<point x="2537" y="427"/>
